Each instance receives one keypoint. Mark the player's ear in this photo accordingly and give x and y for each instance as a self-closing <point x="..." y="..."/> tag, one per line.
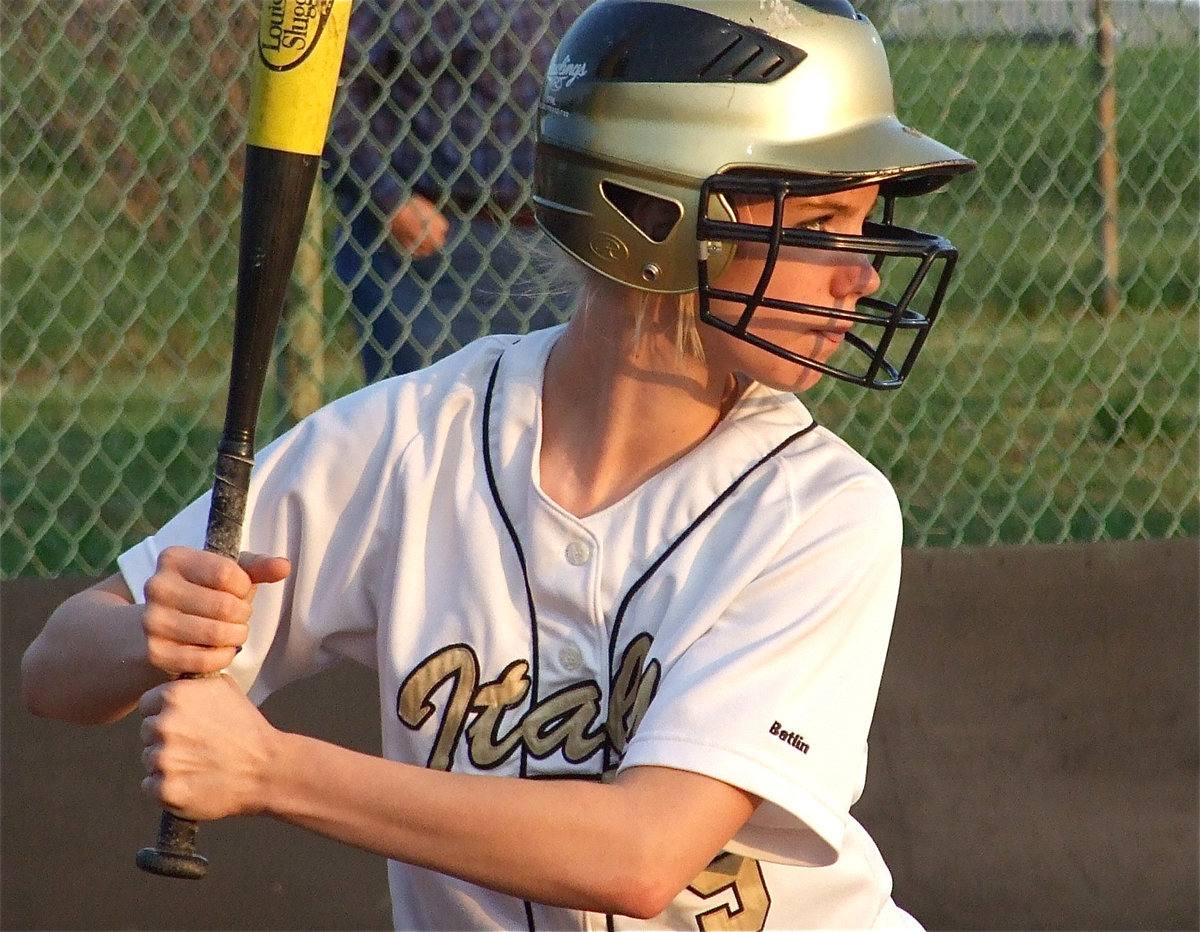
<point x="654" y="216"/>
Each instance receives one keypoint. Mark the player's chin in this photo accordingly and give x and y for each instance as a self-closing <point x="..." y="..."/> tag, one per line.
<point x="771" y="368"/>
<point x="789" y="376"/>
<point x="807" y="379"/>
<point x="795" y="379"/>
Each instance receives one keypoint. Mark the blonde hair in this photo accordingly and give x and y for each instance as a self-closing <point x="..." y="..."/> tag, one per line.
<point x="568" y="275"/>
<point x="687" y="317"/>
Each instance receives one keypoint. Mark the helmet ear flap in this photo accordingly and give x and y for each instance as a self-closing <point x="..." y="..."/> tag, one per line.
<point x="653" y="216"/>
<point x="640" y="231"/>
<point x="627" y="231"/>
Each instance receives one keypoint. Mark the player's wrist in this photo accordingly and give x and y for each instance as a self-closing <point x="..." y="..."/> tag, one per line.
<point x="282" y="775"/>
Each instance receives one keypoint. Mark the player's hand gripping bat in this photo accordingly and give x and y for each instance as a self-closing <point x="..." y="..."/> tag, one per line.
<point x="299" y="52"/>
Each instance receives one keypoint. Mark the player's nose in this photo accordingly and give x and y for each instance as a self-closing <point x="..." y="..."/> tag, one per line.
<point x="855" y="278"/>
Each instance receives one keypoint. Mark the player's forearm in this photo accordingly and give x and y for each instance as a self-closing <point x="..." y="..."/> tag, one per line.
<point x="570" y="843"/>
<point x="88" y="665"/>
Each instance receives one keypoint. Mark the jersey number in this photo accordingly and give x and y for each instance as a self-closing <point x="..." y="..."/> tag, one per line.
<point x="741" y="878"/>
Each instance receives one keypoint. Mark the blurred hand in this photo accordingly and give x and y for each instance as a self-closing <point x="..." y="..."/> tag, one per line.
<point x="419" y="228"/>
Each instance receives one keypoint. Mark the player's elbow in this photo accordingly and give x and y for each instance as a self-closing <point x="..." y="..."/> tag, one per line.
<point x="643" y="887"/>
<point x="640" y="898"/>
<point x="43" y="697"/>
<point x="645" y="900"/>
<point x="34" y="696"/>
<point x="40" y="702"/>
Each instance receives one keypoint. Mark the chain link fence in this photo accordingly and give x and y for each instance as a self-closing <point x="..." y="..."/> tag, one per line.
<point x="1057" y="399"/>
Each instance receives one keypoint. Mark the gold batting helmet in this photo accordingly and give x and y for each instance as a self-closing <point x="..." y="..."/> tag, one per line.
<point x="694" y="102"/>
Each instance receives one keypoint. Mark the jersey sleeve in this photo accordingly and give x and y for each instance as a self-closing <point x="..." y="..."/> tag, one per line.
<point x="776" y="697"/>
<point x="320" y="496"/>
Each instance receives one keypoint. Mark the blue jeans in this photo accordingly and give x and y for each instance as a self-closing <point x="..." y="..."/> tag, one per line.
<point x="410" y="312"/>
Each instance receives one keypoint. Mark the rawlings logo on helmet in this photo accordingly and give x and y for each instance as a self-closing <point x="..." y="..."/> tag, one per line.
<point x="564" y="73"/>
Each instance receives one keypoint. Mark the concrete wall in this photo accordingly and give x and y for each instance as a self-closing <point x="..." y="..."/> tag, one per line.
<point x="1034" y="765"/>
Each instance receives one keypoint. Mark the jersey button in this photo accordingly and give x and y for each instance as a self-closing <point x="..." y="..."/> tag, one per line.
<point x="578" y="553"/>
<point x="571" y="657"/>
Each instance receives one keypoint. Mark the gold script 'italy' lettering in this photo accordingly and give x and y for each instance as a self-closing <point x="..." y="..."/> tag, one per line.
<point x="570" y="720"/>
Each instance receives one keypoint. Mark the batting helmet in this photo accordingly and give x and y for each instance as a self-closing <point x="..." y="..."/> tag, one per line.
<point x="697" y="102"/>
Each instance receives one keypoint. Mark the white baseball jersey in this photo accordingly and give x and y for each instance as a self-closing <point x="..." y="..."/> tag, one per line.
<point x="728" y="617"/>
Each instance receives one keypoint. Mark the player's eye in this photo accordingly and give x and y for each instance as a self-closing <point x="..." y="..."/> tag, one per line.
<point x="816" y="224"/>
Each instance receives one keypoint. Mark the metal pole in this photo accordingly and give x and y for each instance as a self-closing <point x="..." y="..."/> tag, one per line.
<point x="1107" y="168"/>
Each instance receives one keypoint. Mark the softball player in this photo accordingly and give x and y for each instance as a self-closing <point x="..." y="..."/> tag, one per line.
<point x="629" y="603"/>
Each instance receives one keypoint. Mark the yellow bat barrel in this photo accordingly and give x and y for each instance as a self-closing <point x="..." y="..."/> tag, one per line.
<point x="300" y="44"/>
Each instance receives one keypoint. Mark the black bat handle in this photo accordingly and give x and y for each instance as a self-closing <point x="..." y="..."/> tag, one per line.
<point x="174" y="853"/>
<point x="273" y="210"/>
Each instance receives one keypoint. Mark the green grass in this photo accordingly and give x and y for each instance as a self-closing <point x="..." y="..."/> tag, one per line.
<point x="1032" y="417"/>
<point x="1035" y="432"/>
<point x="1026" y="113"/>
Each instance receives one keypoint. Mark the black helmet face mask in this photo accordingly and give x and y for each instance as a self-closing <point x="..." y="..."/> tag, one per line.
<point x="889" y="325"/>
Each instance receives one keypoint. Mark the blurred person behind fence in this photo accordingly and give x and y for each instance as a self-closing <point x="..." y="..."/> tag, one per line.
<point x="429" y="160"/>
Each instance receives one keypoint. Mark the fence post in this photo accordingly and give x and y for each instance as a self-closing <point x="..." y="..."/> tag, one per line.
<point x="1107" y="169"/>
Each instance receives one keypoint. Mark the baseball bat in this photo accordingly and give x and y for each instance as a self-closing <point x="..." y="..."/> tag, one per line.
<point x="299" y="53"/>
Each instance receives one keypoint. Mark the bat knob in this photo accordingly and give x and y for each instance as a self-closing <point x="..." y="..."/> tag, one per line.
<point x="175" y="853"/>
<point x="172" y="864"/>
